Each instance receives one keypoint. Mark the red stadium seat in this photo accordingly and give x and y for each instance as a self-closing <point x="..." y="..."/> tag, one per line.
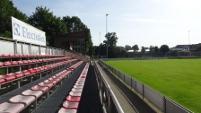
<point x="36" y="94"/>
<point x="8" y="107"/>
<point x="7" y="63"/>
<point x="64" y="110"/>
<point x="77" y="89"/>
<point x="19" y="74"/>
<point x="14" y="63"/>
<point x="39" y="88"/>
<point x="1" y="64"/>
<point x="73" y="98"/>
<point x="6" y="55"/>
<point x="76" y="93"/>
<point x="46" y="84"/>
<point x="26" y="72"/>
<point x="70" y="105"/>
<point x="10" y="76"/>
<point x="2" y="79"/>
<point x="20" y="62"/>
<point x="32" y="70"/>
<point x="22" y="99"/>
<point x="78" y="86"/>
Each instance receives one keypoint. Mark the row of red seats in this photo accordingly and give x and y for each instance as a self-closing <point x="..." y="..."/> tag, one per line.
<point x="71" y="103"/>
<point x="19" y="102"/>
<point x="24" y="62"/>
<point x="18" y="75"/>
<point x="26" y="56"/>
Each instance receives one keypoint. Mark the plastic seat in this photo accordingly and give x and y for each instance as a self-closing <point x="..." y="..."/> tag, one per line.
<point x="26" y="72"/>
<point x="10" y="76"/>
<point x="73" y="98"/>
<point x="78" y="86"/>
<point x="25" y="61"/>
<point x="82" y="76"/>
<point x="30" y="61"/>
<point x="43" y="84"/>
<point x="16" y="55"/>
<point x="32" y="70"/>
<point x="81" y="79"/>
<point x="23" y="99"/>
<point x="79" y="83"/>
<point x="1" y="64"/>
<point x="30" y="92"/>
<point x="39" y="88"/>
<point x="11" y="55"/>
<point x="19" y="74"/>
<point x="14" y="63"/>
<point x="34" y="61"/>
<point x="64" y="110"/>
<point x="50" y="81"/>
<point x="2" y="79"/>
<point x="6" y="55"/>
<point x="76" y="93"/>
<point x="7" y="107"/>
<point x="7" y="63"/>
<point x="20" y="62"/>
<point x="77" y="89"/>
<point x="70" y="105"/>
<point x="54" y="79"/>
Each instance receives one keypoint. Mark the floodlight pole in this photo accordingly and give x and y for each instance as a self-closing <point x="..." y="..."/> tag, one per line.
<point x="100" y="45"/>
<point x="107" y="40"/>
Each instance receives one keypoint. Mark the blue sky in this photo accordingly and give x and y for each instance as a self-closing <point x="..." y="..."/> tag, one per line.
<point x="141" y="22"/>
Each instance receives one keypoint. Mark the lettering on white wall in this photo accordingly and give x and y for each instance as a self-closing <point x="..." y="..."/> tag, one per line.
<point x="27" y="33"/>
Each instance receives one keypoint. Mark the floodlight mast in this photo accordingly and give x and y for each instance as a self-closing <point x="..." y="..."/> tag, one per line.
<point x="107" y="40"/>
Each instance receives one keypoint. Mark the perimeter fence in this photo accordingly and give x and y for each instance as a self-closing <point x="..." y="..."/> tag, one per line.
<point x="163" y="103"/>
<point x="108" y="99"/>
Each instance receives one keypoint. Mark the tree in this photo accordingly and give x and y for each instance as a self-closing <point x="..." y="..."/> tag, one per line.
<point x="143" y="49"/>
<point x="89" y="45"/>
<point x="6" y="11"/>
<point x="127" y="47"/>
<point x="111" y="40"/>
<point x="156" y="49"/>
<point x="43" y="19"/>
<point x="119" y="52"/>
<point x="151" y="49"/>
<point x="74" y="24"/>
<point x="164" y="49"/>
<point x="135" y="48"/>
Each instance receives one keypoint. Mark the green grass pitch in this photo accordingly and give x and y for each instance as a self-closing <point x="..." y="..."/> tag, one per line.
<point x="177" y="79"/>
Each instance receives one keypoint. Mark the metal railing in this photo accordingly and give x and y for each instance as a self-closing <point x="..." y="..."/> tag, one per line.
<point x="108" y="99"/>
<point x="9" y="46"/>
<point x="163" y="103"/>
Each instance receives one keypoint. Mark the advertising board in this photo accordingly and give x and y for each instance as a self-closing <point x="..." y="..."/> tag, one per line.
<point x="24" y="32"/>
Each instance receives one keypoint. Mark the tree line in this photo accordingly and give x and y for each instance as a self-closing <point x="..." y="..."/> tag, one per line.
<point x="44" y="20"/>
<point x="118" y="51"/>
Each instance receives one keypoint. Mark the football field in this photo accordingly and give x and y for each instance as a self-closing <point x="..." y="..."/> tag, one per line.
<point x="177" y="79"/>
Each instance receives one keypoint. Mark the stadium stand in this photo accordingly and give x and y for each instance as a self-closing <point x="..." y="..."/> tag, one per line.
<point x="30" y="79"/>
<point x="72" y="100"/>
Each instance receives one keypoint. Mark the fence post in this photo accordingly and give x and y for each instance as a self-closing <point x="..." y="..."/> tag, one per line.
<point x="30" y="49"/>
<point x="124" y="77"/>
<point x="22" y="50"/>
<point x="143" y="90"/>
<point x="40" y="50"/>
<point x="15" y="47"/>
<point x="164" y="104"/>
<point x="131" y="83"/>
